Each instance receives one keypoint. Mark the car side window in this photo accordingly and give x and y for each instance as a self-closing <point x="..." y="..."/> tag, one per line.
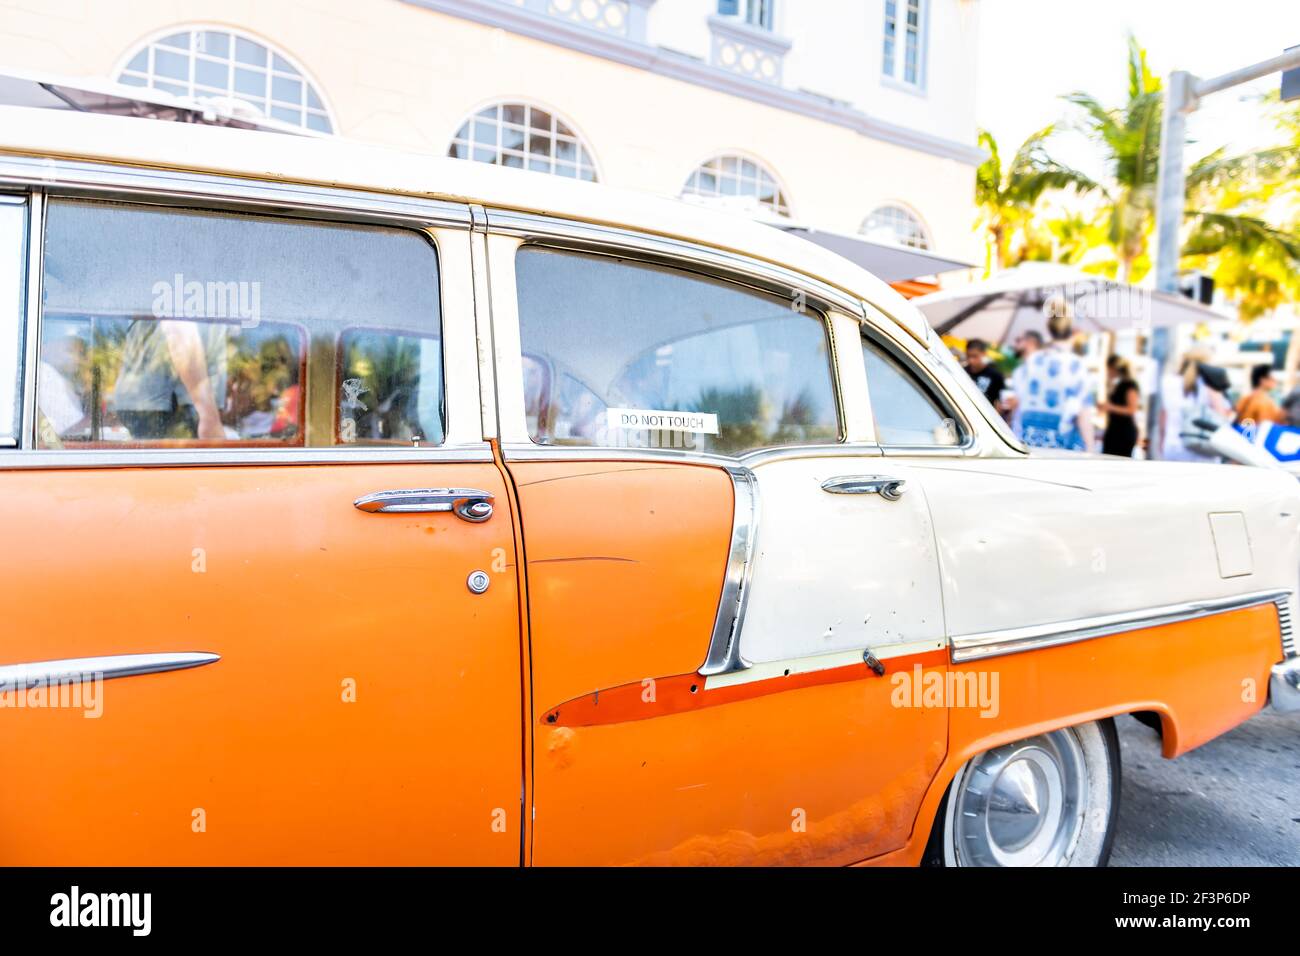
<point x="180" y="328"/>
<point x="619" y="353"/>
<point x="13" y="273"/>
<point x="906" y="412"/>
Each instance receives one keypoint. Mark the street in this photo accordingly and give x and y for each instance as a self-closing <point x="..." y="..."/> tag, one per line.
<point x="1233" y="802"/>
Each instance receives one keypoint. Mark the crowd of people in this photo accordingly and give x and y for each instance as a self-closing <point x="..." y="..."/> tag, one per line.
<point x="1050" y="401"/>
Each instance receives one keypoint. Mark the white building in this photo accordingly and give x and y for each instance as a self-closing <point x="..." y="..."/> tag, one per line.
<point x="845" y="115"/>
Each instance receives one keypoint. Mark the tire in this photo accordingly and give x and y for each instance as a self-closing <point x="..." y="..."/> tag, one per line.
<point x="1048" y="800"/>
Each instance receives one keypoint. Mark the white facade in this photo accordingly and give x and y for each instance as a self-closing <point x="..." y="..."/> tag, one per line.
<point x="651" y="88"/>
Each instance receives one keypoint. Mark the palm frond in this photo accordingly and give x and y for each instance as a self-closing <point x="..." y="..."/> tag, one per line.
<point x="1217" y="167"/>
<point x="1211" y="232"/>
<point x="988" y="175"/>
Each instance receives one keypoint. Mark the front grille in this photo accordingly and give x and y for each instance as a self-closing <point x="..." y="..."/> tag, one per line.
<point x="1284" y="622"/>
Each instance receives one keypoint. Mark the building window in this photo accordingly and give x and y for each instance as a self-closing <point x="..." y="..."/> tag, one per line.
<point x="737" y="179"/>
<point x="897" y="225"/>
<point x="524" y="137"/>
<point x="905" y="39"/>
<point x="218" y="65"/>
<point x="757" y="13"/>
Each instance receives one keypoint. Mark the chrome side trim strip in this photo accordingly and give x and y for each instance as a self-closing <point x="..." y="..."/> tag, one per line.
<point x="76" y="669"/>
<point x="583" y="236"/>
<point x="213" y="457"/>
<point x="139" y="182"/>
<point x="516" y="451"/>
<point x="724" y="647"/>
<point x="973" y="647"/>
<point x="31" y="332"/>
<point x="1288" y="628"/>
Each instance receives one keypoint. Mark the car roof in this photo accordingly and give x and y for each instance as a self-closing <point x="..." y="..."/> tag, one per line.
<point x="340" y="162"/>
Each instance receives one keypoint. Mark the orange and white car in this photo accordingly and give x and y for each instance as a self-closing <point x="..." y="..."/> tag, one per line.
<point x="370" y="508"/>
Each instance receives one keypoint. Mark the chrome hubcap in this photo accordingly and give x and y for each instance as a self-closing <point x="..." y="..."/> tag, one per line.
<point x="1021" y="804"/>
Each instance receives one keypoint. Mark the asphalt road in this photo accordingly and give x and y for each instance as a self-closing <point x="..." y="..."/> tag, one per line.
<point x="1232" y="802"/>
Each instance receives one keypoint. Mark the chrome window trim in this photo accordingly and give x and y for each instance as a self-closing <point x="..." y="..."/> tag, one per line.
<point x="972" y="647"/>
<point x="88" y="181"/>
<point x="518" y="451"/>
<point x="56" y="458"/>
<point x="75" y="669"/>
<point x="723" y="656"/>
<point x="956" y="394"/>
<point x="968" y="447"/>
<point x="679" y="253"/>
<point x="745" y="279"/>
<point x="174" y="187"/>
<point x="31" y="331"/>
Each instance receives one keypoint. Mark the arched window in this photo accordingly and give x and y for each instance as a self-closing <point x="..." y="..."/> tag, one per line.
<point x="731" y="175"/>
<point x="205" y="64"/>
<point x="895" y="224"/>
<point x="524" y="136"/>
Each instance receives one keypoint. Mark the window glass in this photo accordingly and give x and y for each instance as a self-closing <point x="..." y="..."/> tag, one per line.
<point x="209" y="65"/>
<point x="905" y="412"/>
<point x="623" y="354"/>
<point x="175" y="327"/>
<point x="757" y="13"/>
<point x="383" y="400"/>
<point x="524" y="137"/>
<point x="905" y="28"/>
<point x="895" y="224"/>
<point x="13" y="272"/>
<point x="737" y="181"/>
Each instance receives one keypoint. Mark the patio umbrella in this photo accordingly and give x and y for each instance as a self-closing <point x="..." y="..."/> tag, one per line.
<point x="1009" y="303"/>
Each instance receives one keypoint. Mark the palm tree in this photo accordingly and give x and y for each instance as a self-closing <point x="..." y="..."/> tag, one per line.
<point x="1129" y="138"/>
<point x="1254" y="262"/>
<point x="1007" y="197"/>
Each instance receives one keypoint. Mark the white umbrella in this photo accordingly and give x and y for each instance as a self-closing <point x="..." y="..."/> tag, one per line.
<point x="1010" y="302"/>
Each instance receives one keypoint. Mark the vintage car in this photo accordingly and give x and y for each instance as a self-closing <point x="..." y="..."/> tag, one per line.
<point x="373" y="508"/>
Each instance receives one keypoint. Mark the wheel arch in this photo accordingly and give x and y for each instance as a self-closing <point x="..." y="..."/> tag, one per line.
<point x="960" y="751"/>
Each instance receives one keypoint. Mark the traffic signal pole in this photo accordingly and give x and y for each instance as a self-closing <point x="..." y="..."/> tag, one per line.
<point x="1183" y="94"/>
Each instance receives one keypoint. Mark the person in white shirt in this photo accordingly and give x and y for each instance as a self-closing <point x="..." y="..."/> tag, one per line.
<point x="1054" y="399"/>
<point x="1026" y="345"/>
<point x="1184" y="398"/>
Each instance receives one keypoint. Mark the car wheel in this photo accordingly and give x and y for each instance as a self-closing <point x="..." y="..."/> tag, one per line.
<point x="1049" y="800"/>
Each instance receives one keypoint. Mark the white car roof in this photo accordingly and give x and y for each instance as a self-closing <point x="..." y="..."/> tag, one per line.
<point x="344" y="163"/>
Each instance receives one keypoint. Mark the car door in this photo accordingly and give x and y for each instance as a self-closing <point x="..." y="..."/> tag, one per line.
<point x="707" y="562"/>
<point x="254" y="603"/>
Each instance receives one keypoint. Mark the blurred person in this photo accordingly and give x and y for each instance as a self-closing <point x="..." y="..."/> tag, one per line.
<point x="173" y="380"/>
<point x="1121" y="407"/>
<point x="1257" y="405"/>
<point x="1185" y="398"/>
<point x="1025" y="345"/>
<point x="987" y="377"/>
<point x="1054" y="397"/>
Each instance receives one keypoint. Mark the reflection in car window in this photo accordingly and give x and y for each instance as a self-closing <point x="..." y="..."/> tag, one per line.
<point x="183" y="328"/>
<point x="384" y="398"/>
<point x="906" y="414"/>
<point x="623" y="354"/>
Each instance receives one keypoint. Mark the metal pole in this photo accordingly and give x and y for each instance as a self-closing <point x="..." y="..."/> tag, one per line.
<point x="1278" y="64"/>
<point x="1171" y="203"/>
<point x="1182" y="95"/>
<point x="1171" y="184"/>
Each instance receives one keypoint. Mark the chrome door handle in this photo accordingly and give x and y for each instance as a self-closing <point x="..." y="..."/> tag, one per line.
<point x="468" y="503"/>
<point x="891" y="489"/>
